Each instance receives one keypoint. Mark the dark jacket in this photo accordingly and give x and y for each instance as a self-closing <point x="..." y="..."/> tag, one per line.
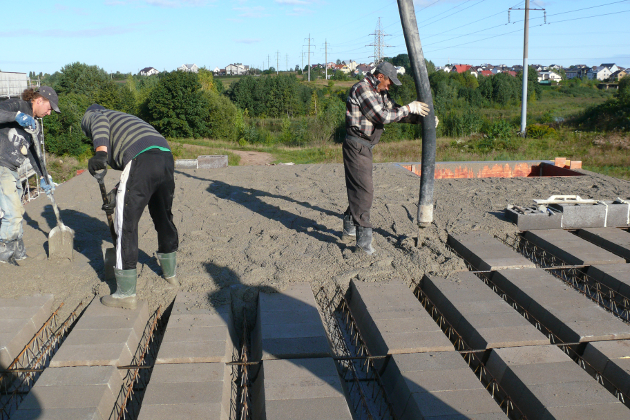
<point x="16" y="144"/>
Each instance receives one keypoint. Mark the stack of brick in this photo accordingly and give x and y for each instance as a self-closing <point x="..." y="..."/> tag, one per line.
<point x="83" y="380"/>
<point x="305" y="384"/>
<point x="190" y="378"/>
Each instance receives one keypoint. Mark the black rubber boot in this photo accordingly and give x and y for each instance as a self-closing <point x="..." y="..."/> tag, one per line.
<point x="349" y="230"/>
<point x="364" y="239"/>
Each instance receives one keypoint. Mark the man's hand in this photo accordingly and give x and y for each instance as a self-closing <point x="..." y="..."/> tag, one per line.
<point x="47" y="185"/>
<point x="111" y="202"/>
<point x="437" y="121"/>
<point x="418" y="108"/>
<point x="97" y="162"/>
<point x="26" y="121"/>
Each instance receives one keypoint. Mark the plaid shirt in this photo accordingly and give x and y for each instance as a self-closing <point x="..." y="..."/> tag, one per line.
<point x="367" y="110"/>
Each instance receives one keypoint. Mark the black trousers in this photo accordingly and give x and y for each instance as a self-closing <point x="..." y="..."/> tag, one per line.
<point x="151" y="182"/>
<point x="357" y="164"/>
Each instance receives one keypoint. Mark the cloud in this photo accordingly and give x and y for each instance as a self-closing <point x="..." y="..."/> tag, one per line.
<point x="171" y="4"/>
<point x="76" y="10"/>
<point x="299" y="11"/>
<point x="292" y="2"/>
<point x="252" y="12"/>
<point x="81" y="33"/>
<point x="247" y="41"/>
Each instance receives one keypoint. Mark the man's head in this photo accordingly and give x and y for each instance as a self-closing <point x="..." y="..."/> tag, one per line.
<point x="386" y="74"/>
<point x="44" y="101"/>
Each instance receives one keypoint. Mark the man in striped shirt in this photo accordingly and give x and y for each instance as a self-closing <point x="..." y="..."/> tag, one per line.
<point x="134" y="147"/>
<point x="368" y="108"/>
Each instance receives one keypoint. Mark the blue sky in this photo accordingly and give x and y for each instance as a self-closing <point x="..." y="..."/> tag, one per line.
<point x="127" y="35"/>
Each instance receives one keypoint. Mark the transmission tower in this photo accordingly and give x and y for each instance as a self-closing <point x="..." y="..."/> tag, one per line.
<point x="379" y="43"/>
<point x="309" y="39"/>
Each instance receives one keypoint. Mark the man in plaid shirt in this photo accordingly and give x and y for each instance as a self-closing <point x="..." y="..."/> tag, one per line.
<point x="368" y="108"/>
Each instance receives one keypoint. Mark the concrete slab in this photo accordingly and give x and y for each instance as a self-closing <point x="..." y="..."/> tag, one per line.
<point x="612" y="358"/>
<point x="212" y="161"/>
<point x="571" y="248"/>
<point x="434" y="384"/>
<point x="480" y="329"/>
<point x="103" y="337"/>
<point x="20" y="319"/>
<point x="303" y="337"/>
<point x="615" y="276"/>
<point x="541" y="378"/>
<point x="486" y="253"/>
<point x="300" y="389"/>
<point x="568" y="314"/>
<point x="614" y="240"/>
<point x="85" y="392"/>
<point x="416" y="332"/>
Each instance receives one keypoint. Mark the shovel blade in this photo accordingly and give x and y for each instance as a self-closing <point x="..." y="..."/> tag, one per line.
<point x="61" y="243"/>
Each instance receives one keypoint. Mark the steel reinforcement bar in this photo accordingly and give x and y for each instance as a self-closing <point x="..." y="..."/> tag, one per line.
<point x="18" y="379"/>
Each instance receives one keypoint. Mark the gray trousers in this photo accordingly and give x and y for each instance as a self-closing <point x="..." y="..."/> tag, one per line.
<point x="357" y="164"/>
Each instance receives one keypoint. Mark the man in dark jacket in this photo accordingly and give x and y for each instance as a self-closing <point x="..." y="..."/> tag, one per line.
<point x="134" y="147"/>
<point x="368" y="108"/>
<point x="16" y="145"/>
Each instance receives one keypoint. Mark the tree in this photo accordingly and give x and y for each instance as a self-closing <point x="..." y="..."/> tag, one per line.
<point x="338" y="61"/>
<point x="177" y="107"/>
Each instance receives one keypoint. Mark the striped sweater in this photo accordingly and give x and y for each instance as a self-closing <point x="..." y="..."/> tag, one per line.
<point x="125" y="136"/>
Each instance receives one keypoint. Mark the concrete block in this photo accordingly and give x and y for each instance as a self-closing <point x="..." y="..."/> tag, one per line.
<point x="294" y="331"/>
<point x="486" y="253"/>
<point x="534" y="220"/>
<point x="188" y="372"/>
<point x="443" y="380"/>
<point x="416" y="342"/>
<point x="308" y="409"/>
<point x="183" y="393"/>
<point x="572" y="249"/>
<point x="617" y="214"/>
<point x="212" y="161"/>
<point x="292" y="348"/>
<point x="98" y="397"/>
<point x="614" y="240"/>
<point x="581" y="215"/>
<point x="186" y="163"/>
<point x="500" y="359"/>
<point x="614" y="276"/>
<point x="184" y="411"/>
<point x="112" y="354"/>
<point x="199" y="320"/>
<point x="450" y="403"/>
<point x="59" y="414"/>
<point x="613" y="329"/>
<point x="296" y="379"/>
<point x="195" y="334"/>
<point x="82" y="376"/>
<point x="526" y="335"/>
<point x="594" y="411"/>
<point x="194" y="352"/>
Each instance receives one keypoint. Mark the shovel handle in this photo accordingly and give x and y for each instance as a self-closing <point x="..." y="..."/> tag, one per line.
<point x="99" y="176"/>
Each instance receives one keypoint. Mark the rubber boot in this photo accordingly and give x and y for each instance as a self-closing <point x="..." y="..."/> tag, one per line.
<point x="364" y="239"/>
<point x="168" y="262"/>
<point x="6" y="253"/>
<point x="19" y="250"/>
<point x="125" y="296"/>
<point x="349" y="230"/>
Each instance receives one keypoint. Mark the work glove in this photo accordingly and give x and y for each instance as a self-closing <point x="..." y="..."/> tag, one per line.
<point x="111" y="202"/>
<point x="26" y="121"/>
<point x="47" y="185"/>
<point x="418" y="108"/>
<point x="97" y="162"/>
<point x="437" y="121"/>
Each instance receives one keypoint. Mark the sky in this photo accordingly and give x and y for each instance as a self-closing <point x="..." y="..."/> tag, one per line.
<point x="128" y="35"/>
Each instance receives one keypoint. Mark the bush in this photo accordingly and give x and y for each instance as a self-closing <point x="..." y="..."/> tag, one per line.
<point x="224" y="120"/>
<point x="63" y="133"/>
<point x="539" y="131"/>
<point x="460" y="124"/>
<point x="498" y="129"/>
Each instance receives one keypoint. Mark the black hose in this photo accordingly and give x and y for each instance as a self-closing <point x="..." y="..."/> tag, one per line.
<point x="423" y="90"/>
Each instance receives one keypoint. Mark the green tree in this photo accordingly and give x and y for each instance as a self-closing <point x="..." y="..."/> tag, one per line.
<point x="63" y="132"/>
<point x="177" y="106"/>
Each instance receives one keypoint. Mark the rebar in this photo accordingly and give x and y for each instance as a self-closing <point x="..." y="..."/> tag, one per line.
<point x="353" y="359"/>
<point x="18" y="379"/>
<point x="133" y="382"/>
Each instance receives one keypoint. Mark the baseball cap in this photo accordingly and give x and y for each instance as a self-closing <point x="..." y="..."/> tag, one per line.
<point x="50" y="94"/>
<point x="386" y="68"/>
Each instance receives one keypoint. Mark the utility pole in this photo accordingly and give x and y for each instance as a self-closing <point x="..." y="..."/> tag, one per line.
<point x="326" y="58"/>
<point x="309" y="57"/>
<point x="379" y="43"/>
<point x="525" y="64"/>
<point x="277" y="62"/>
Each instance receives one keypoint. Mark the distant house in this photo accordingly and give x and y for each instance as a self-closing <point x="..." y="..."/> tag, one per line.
<point x="191" y="68"/>
<point x="461" y="68"/>
<point x="611" y="66"/>
<point x="148" y="71"/>
<point x="487" y="73"/>
<point x="236" y="69"/>
<point x="618" y="75"/>
<point x="599" y="73"/>
<point x="400" y="70"/>
<point x="576" y="72"/>
<point x="363" y="69"/>
<point x="550" y="76"/>
<point x="511" y="73"/>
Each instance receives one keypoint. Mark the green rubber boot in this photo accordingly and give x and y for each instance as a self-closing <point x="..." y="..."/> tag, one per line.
<point x="168" y="262"/>
<point x="125" y="296"/>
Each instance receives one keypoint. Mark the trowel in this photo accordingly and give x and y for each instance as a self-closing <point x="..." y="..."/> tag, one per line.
<point x="109" y="254"/>
<point x="61" y="237"/>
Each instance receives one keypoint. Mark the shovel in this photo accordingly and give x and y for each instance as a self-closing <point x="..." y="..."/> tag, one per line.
<point x="61" y="237"/>
<point x="109" y="254"/>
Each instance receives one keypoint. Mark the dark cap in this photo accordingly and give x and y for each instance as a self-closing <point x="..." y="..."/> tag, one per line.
<point x="387" y="69"/>
<point x="50" y="94"/>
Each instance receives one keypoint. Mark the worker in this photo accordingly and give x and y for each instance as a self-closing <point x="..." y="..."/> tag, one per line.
<point x="17" y="121"/>
<point x="368" y="108"/>
<point x="134" y="147"/>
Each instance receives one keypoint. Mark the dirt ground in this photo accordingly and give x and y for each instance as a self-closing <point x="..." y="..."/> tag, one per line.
<point x="253" y="158"/>
<point x="247" y="228"/>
